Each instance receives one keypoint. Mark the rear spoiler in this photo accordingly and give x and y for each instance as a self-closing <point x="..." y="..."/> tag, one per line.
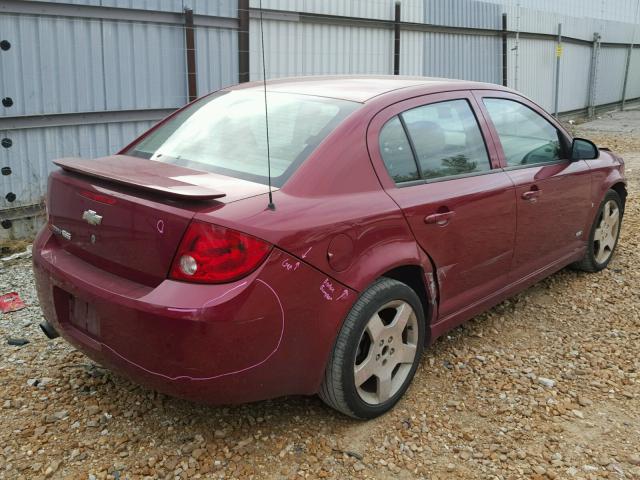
<point x="158" y="177"/>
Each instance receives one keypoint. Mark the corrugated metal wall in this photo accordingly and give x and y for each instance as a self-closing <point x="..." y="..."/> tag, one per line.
<point x="535" y="69"/>
<point x="412" y="53"/>
<point x="32" y="151"/>
<point x="633" y="84"/>
<point x="297" y="48"/>
<point x="218" y="8"/>
<point x="66" y="64"/>
<point x="467" y="57"/>
<point x="608" y="10"/>
<point x="609" y="81"/>
<point x="380" y="9"/>
<point x="574" y="85"/>
<point x="463" y="13"/>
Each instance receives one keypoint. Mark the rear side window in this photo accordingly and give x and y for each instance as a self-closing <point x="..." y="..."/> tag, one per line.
<point x="526" y="137"/>
<point x="396" y="152"/>
<point x="225" y="133"/>
<point x="447" y="139"/>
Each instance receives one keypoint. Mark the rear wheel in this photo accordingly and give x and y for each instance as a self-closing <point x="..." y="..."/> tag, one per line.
<point x="376" y="352"/>
<point x="604" y="234"/>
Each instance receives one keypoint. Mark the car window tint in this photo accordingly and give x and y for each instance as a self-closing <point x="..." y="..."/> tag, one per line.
<point x="447" y="139"/>
<point x="526" y="137"/>
<point x="396" y="152"/>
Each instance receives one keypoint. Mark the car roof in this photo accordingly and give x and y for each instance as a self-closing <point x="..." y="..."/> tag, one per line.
<point x="361" y="88"/>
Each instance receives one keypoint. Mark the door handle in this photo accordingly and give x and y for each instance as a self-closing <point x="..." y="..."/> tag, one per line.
<point x="531" y="195"/>
<point x="439" y="218"/>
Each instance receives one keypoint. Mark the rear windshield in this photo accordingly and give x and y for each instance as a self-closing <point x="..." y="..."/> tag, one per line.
<point x="225" y="133"/>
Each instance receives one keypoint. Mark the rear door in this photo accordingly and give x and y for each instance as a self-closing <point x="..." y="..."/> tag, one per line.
<point x="553" y="193"/>
<point x="432" y="159"/>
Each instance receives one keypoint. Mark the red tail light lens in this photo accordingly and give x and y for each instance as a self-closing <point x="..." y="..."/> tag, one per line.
<point x="213" y="254"/>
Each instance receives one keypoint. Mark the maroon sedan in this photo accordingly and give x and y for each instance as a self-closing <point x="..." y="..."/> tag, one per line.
<point x="401" y="208"/>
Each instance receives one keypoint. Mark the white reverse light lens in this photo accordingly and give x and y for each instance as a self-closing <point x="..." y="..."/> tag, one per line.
<point x="188" y="264"/>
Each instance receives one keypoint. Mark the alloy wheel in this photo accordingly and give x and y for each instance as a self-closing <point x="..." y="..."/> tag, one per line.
<point x="386" y="352"/>
<point x="606" y="233"/>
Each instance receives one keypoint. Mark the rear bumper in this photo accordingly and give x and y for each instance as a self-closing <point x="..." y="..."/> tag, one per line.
<point x="264" y="336"/>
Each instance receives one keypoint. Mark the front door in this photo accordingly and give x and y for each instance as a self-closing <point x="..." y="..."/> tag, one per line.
<point x="553" y="193"/>
<point x="433" y="161"/>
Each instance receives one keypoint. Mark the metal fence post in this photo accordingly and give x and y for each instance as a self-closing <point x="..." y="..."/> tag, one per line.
<point x="558" y="56"/>
<point x="243" y="41"/>
<point x="626" y="76"/>
<point x="504" y="49"/>
<point x="593" y="75"/>
<point x="396" y="41"/>
<point x="190" y="42"/>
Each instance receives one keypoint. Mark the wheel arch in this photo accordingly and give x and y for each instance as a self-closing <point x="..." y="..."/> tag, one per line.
<point x="421" y="282"/>
<point x="621" y="189"/>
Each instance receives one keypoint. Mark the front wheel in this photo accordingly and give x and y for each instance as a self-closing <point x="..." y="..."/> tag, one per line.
<point x="377" y="351"/>
<point x="604" y="234"/>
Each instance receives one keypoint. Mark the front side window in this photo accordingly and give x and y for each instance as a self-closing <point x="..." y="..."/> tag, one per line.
<point x="447" y="139"/>
<point x="526" y="137"/>
<point x="225" y="133"/>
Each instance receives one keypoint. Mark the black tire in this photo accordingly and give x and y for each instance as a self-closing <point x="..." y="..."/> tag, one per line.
<point x="589" y="263"/>
<point x="338" y="388"/>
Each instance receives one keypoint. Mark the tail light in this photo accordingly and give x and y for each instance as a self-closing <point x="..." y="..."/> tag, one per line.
<point x="213" y="254"/>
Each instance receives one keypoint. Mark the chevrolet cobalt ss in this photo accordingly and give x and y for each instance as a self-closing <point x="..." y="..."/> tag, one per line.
<point x="401" y="208"/>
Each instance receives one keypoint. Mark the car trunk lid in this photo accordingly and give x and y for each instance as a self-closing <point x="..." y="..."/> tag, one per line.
<point x="127" y="215"/>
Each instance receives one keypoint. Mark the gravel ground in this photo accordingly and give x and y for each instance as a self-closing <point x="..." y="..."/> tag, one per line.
<point x="545" y="385"/>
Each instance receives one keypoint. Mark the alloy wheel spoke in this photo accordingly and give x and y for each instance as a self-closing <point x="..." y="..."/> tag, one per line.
<point x="364" y="371"/>
<point x="401" y="318"/>
<point x="597" y="235"/>
<point x="406" y="353"/>
<point x="384" y="386"/>
<point x="375" y="327"/>
<point x="607" y="244"/>
<point x="614" y="216"/>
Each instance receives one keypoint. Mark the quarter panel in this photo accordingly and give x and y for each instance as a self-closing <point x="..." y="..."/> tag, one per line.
<point x="306" y="227"/>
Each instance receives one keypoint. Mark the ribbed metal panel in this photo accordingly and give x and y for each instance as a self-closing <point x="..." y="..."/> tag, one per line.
<point x="536" y="66"/>
<point x="582" y="26"/>
<point x="463" y="13"/>
<point x="352" y="8"/>
<point x="52" y="66"/>
<point x="144" y="65"/>
<point x="610" y="75"/>
<point x="33" y="149"/>
<point x="297" y="48"/>
<point x="412" y="11"/>
<point x="412" y="53"/>
<point x="618" y="10"/>
<point x="574" y="77"/>
<point x="162" y="5"/>
<point x="537" y="21"/>
<point x="633" y="83"/>
<point x="63" y="65"/>
<point x="218" y="8"/>
<point x="465" y="57"/>
<point x="216" y="59"/>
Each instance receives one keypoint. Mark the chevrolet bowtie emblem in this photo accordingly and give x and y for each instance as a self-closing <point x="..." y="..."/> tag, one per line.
<point x="91" y="217"/>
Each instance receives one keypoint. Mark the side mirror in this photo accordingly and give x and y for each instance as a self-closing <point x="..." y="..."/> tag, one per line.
<point x="583" y="149"/>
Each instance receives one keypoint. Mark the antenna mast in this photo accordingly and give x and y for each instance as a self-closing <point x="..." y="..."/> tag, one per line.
<point x="271" y="205"/>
